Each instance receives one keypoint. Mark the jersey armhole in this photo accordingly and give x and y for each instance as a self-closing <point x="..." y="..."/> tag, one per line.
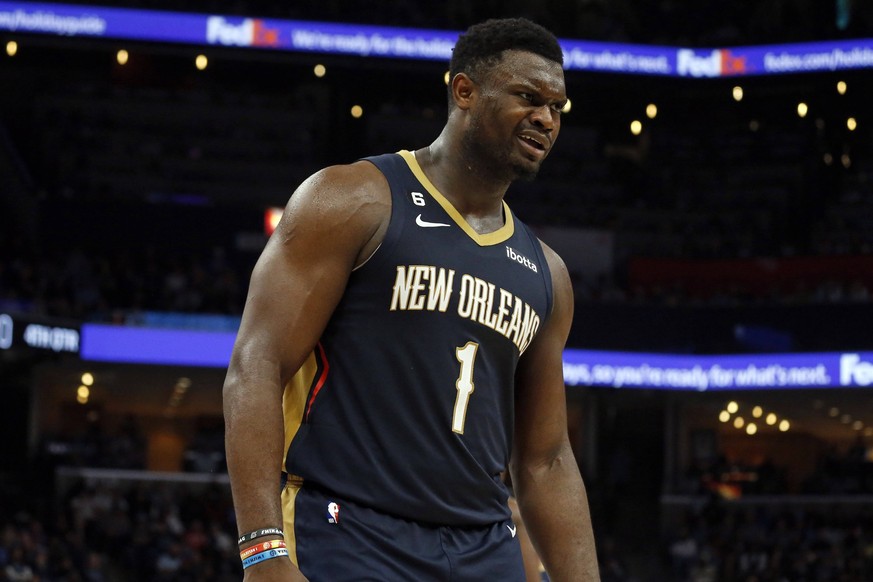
<point x="391" y="235"/>
<point x="376" y="250"/>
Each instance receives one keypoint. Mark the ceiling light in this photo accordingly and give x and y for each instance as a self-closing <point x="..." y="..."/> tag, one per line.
<point x="802" y="109"/>
<point x="738" y="93"/>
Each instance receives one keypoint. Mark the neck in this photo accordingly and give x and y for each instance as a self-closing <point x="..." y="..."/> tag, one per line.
<point x="475" y="191"/>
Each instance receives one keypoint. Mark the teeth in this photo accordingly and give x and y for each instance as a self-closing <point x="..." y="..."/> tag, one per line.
<point x="532" y="140"/>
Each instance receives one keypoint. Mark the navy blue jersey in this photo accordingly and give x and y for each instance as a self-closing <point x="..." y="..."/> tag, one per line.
<point x="406" y="404"/>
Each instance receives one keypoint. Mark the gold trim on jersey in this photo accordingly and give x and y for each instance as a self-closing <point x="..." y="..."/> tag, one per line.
<point x="289" y="498"/>
<point x="294" y="400"/>
<point x="500" y="235"/>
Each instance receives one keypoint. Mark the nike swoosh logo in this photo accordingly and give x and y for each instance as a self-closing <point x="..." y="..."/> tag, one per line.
<point x="426" y="224"/>
<point x="511" y="529"/>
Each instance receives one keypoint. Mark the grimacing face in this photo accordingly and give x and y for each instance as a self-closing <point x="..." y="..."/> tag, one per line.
<point x="517" y="116"/>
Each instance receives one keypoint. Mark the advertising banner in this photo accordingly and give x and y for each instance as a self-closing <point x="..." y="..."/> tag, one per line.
<point x="718" y="372"/>
<point x="418" y="44"/>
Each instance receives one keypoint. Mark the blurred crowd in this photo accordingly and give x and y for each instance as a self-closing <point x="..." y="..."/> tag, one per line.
<point x="842" y="473"/>
<point x="109" y="531"/>
<point x="109" y="284"/>
<point x="115" y="285"/>
<point x="112" y="529"/>
<point x="825" y="292"/>
<point x="721" y="542"/>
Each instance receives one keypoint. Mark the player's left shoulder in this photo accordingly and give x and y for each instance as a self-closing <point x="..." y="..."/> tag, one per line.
<point x="557" y="267"/>
<point x="561" y="313"/>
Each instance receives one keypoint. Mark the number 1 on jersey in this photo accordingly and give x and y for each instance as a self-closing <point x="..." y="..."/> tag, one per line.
<point x="466" y="356"/>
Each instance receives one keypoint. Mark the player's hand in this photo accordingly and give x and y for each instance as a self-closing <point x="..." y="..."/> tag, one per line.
<point x="275" y="570"/>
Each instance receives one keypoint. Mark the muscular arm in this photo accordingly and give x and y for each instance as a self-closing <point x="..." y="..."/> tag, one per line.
<point x="549" y="488"/>
<point x="333" y="222"/>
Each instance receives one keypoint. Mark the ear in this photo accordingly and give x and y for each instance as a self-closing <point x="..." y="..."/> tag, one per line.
<point x="464" y="91"/>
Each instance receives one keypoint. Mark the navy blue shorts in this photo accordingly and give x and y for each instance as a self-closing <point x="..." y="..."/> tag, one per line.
<point x="334" y="540"/>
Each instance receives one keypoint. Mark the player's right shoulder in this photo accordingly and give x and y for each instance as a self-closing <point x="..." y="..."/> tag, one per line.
<point x="360" y="181"/>
<point x="358" y="192"/>
<point x="343" y="206"/>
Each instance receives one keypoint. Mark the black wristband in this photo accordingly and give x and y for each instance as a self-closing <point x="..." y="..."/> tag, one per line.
<point x="267" y="531"/>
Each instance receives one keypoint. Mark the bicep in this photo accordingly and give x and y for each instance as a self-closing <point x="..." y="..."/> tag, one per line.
<point x="301" y="275"/>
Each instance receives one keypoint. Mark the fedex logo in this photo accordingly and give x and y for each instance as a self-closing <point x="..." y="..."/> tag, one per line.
<point x="731" y="65"/>
<point x="248" y="32"/>
<point x="689" y="63"/>
<point x="853" y="371"/>
<point x="713" y="64"/>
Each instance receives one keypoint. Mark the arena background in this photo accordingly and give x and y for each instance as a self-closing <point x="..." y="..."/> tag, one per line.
<point x="734" y="219"/>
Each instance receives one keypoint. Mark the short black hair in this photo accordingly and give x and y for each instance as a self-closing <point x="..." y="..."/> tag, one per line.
<point x="484" y="43"/>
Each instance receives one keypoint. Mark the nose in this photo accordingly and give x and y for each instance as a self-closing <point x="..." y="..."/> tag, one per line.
<point x="544" y="117"/>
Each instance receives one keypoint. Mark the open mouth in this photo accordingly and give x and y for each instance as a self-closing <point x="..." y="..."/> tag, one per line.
<point x="533" y="145"/>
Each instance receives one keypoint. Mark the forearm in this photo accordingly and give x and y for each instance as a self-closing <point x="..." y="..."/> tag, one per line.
<point x="554" y="506"/>
<point x="254" y="442"/>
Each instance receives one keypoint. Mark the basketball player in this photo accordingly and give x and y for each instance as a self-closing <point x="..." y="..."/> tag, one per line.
<point x="402" y="344"/>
